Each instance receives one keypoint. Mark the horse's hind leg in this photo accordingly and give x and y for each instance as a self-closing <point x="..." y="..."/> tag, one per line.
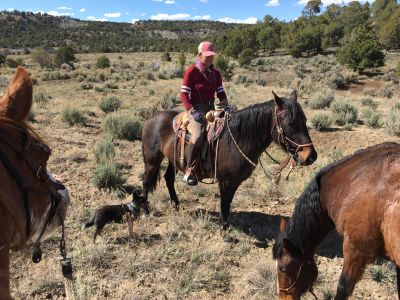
<point x="353" y="268"/>
<point x="169" y="177"/>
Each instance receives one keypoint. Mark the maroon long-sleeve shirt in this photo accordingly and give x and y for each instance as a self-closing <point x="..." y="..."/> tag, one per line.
<point x="196" y="89"/>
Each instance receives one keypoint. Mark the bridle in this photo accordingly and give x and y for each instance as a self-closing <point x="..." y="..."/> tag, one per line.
<point x="283" y="140"/>
<point x="305" y="264"/>
<point x="51" y="186"/>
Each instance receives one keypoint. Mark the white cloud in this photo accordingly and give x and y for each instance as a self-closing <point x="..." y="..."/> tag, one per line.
<point x="144" y="14"/>
<point x="273" y="3"/>
<point x="58" y="14"/>
<point x="205" y="17"/>
<point x="329" y="2"/>
<point x="251" y="20"/>
<point x="169" y="2"/>
<point x="170" y="17"/>
<point x="64" y="8"/>
<point x="11" y="9"/>
<point x="204" y="1"/>
<point x="133" y="21"/>
<point x="113" y="15"/>
<point x="82" y="10"/>
<point x="91" y="18"/>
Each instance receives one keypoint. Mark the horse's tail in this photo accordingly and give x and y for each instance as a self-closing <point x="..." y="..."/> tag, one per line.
<point x="151" y="174"/>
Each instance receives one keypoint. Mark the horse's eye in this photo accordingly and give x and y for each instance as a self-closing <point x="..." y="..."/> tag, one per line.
<point x="282" y="269"/>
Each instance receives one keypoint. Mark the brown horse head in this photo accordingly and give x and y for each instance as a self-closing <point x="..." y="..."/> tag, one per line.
<point x="296" y="274"/>
<point x="290" y="130"/>
<point x="27" y="189"/>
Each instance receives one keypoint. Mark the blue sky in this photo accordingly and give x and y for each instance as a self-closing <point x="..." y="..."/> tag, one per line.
<point x="238" y="11"/>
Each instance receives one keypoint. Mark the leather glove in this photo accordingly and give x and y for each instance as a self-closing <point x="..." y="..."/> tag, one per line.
<point x="197" y="116"/>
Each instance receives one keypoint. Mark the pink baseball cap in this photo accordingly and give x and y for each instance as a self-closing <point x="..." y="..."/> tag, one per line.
<point x="206" y="49"/>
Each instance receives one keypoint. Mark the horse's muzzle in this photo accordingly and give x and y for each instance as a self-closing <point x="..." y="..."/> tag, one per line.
<point x="306" y="157"/>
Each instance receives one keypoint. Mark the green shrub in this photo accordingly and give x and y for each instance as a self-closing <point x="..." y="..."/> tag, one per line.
<point x="373" y="119"/>
<point x="42" y="57"/>
<point x="86" y="86"/>
<point x="223" y="65"/>
<point x="182" y="59"/>
<point x="111" y="86"/>
<point x="104" y="150"/>
<point x="369" y="102"/>
<point x="110" y="104"/>
<point x="72" y="116"/>
<point x="169" y="101"/>
<point x="321" y="122"/>
<point x="387" y="91"/>
<point x="14" y="63"/>
<point x="369" y="92"/>
<point x="64" y="55"/>
<point x="2" y="59"/>
<point x="166" y="56"/>
<point x="103" y="62"/>
<point x="361" y="50"/>
<point x="108" y="174"/>
<point x="246" y="57"/>
<point x="393" y="121"/>
<point x="344" y="113"/>
<point x="322" y="100"/>
<point x="122" y="126"/>
<point x="41" y="99"/>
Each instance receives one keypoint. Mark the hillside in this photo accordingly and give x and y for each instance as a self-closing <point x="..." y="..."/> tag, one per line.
<point x="29" y="30"/>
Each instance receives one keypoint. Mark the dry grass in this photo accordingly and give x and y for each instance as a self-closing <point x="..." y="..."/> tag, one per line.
<point x="182" y="255"/>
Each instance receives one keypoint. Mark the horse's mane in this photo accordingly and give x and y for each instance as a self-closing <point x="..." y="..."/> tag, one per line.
<point x="261" y="115"/>
<point x="308" y="216"/>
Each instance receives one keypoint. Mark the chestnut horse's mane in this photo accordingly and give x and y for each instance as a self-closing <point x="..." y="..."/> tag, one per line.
<point x="308" y="215"/>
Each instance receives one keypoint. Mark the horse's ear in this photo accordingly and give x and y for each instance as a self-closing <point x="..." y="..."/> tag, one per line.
<point x="17" y="100"/>
<point x="293" y="95"/>
<point x="282" y="224"/>
<point x="278" y="101"/>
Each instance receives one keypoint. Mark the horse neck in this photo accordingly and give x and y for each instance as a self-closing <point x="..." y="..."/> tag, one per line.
<point x="251" y="127"/>
<point x="310" y="223"/>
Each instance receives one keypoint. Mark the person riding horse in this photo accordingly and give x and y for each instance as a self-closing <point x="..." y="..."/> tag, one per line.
<point x="200" y="83"/>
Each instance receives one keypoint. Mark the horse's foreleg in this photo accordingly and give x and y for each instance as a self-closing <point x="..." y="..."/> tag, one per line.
<point x="353" y="268"/>
<point x="227" y="191"/>
<point x="169" y="177"/>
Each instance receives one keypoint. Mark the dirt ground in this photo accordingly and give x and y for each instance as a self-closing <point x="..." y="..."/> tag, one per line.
<point x="180" y="254"/>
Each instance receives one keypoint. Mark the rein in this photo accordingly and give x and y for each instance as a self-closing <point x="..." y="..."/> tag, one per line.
<point x="283" y="140"/>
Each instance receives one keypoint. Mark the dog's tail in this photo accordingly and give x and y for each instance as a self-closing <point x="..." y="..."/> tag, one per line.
<point x="89" y="223"/>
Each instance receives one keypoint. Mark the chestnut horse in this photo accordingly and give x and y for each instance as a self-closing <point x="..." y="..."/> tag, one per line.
<point x="360" y="196"/>
<point x="251" y="130"/>
<point x="29" y="197"/>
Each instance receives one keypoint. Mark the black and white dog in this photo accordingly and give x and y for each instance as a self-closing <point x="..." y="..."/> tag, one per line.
<point x="115" y="213"/>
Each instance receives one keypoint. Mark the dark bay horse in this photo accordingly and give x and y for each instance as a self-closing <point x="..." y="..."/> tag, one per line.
<point x="29" y="196"/>
<point x="360" y="196"/>
<point x="254" y="128"/>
